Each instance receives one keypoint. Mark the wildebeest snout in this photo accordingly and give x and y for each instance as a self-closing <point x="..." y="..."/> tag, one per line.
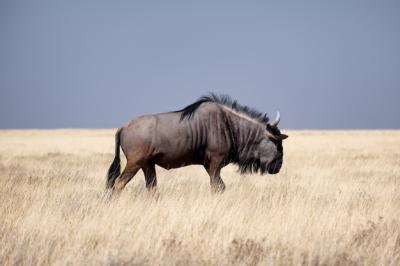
<point x="275" y="166"/>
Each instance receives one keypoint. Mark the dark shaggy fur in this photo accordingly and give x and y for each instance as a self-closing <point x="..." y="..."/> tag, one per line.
<point x="226" y="100"/>
<point x="115" y="168"/>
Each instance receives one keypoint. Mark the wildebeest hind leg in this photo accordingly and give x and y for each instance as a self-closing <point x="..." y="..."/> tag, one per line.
<point x="128" y="173"/>
<point x="150" y="176"/>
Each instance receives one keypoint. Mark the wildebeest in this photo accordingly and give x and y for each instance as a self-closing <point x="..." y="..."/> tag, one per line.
<point x="213" y="131"/>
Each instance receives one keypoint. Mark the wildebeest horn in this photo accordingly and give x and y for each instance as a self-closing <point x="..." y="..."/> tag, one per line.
<point x="277" y="119"/>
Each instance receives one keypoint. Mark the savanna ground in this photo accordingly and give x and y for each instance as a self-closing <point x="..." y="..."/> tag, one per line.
<point x="335" y="202"/>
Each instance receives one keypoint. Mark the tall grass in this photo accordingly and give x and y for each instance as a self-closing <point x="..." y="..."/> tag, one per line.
<point x="335" y="202"/>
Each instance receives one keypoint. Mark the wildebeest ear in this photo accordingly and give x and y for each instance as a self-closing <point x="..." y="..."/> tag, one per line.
<point x="277" y="137"/>
<point x="281" y="136"/>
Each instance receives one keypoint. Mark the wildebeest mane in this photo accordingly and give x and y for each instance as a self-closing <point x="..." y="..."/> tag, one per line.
<point x="227" y="101"/>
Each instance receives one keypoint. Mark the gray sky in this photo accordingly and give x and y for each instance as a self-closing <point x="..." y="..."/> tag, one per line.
<point x="322" y="64"/>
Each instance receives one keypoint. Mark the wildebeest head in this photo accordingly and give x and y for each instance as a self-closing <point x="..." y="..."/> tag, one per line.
<point x="271" y="149"/>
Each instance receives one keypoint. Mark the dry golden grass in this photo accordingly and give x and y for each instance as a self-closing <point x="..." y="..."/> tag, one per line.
<point x="336" y="201"/>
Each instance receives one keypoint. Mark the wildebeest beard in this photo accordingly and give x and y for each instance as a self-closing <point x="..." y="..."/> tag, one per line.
<point x="252" y="165"/>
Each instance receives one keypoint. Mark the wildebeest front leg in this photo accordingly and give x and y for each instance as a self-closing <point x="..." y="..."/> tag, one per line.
<point x="214" y="170"/>
<point x="150" y="176"/>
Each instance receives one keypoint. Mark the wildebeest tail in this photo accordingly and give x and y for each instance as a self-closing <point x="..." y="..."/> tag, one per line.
<point x="115" y="168"/>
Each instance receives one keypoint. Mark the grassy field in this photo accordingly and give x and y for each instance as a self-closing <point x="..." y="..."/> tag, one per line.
<point x="335" y="202"/>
